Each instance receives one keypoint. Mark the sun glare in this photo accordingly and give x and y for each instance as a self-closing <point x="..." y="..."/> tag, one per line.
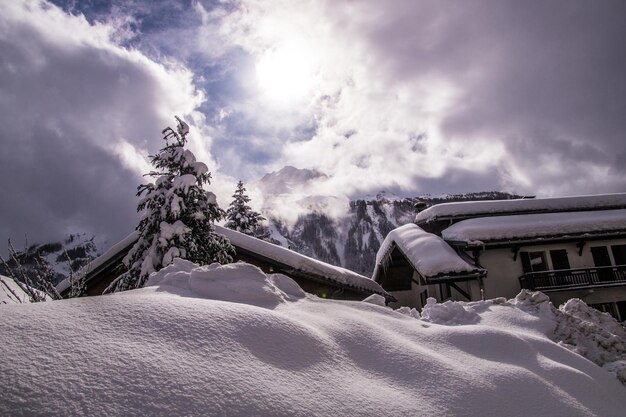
<point x="286" y="73"/>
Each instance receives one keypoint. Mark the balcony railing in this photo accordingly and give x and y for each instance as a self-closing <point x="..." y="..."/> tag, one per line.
<point x="575" y="278"/>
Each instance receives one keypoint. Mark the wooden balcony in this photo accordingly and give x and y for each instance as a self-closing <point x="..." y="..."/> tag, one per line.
<point x="575" y="278"/>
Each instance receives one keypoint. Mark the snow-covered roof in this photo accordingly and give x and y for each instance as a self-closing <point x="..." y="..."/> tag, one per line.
<point x="469" y="209"/>
<point x="300" y="262"/>
<point x="268" y="250"/>
<point x="543" y="225"/>
<point x="430" y="255"/>
<point x="93" y="266"/>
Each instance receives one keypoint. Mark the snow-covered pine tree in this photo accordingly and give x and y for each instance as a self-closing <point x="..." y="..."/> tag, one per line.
<point x="179" y="215"/>
<point x="240" y="216"/>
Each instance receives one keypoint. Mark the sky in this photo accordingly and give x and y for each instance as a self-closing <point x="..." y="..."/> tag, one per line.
<point x="410" y="97"/>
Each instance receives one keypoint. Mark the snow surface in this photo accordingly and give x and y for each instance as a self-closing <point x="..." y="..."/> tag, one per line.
<point x="263" y="348"/>
<point x="482" y="208"/>
<point x="536" y="225"/>
<point x="298" y="261"/>
<point x="428" y="253"/>
<point x="11" y="293"/>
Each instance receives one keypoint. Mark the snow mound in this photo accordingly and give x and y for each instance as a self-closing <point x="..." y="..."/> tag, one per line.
<point x="239" y="283"/>
<point x="176" y="348"/>
<point x="592" y="334"/>
<point x="449" y="313"/>
<point x="376" y="299"/>
<point x="584" y="330"/>
<point x="595" y="335"/>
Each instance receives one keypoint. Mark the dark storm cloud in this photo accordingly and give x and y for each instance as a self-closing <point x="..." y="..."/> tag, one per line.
<point x="521" y="96"/>
<point x="58" y="187"/>
<point x="76" y="115"/>
<point x="550" y="76"/>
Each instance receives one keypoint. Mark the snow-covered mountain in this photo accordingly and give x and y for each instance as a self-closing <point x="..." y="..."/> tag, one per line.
<point x="333" y="229"/>
<point x="71" y="253"/>
<point x="336" y="230"/>
<point x="287" y="180"/>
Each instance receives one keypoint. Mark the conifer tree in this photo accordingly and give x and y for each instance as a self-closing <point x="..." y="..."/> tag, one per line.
<point x="179" y="215"/>
<point x="240" y="216"/>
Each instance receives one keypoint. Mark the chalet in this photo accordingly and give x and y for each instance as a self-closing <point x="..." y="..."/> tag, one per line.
<point x="313" y="276"/>
<point x="568" y="247"/>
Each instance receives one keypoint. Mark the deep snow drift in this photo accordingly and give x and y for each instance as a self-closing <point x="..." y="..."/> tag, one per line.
<point x="230" y="340"/>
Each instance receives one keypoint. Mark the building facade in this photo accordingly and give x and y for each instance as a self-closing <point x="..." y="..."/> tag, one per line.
<point x="570" y="247"/>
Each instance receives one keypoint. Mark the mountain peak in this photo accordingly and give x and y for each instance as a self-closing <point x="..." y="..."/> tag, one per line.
<point x="288" y="179"/>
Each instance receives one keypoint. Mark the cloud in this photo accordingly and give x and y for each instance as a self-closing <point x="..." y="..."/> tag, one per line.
<point x="409" y="96"/>
<point x="526" y="97"/>
<point x="77" y="115"/>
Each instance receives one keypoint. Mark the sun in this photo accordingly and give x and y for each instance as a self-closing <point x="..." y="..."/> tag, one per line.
<point x="286" y="72"/>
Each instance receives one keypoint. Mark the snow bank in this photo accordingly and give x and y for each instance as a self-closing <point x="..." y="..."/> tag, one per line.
<point x="536" y="225"/>
<point x="240" y="283"/>
<point x="428" y="253"/>
<point x="168" y="350"/>
<point x="594" y="335"/>
<point x="449" y="313"/>
<point x="531" y="205"/>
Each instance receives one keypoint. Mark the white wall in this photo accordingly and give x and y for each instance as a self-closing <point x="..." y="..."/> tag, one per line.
<point x="503" y="277"/>
<point x="503" y="272"/>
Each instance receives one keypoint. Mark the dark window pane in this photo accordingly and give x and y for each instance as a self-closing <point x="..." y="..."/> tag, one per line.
<point x="559" y="259"/>
<point x="600" y="256"/>
<point x="619" y="254"/>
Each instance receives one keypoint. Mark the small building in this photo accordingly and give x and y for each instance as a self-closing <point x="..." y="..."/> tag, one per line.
<point x="568" y="247"/>
<point x="413" y="265"/>
<point x="313" y="276"/>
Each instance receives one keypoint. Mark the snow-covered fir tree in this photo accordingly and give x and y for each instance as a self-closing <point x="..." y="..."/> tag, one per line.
<point x="179" y="215"/>
<point x="240" y="216"/>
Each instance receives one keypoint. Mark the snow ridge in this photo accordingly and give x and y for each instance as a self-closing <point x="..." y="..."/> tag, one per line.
<point x="232" y="341"/>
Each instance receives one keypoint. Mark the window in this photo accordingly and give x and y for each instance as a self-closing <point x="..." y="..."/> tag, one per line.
<point x="533" y="261"/>
<point x="601" y="258"/>
<point x="619" y="254"/>
<point x="559" y="259"/>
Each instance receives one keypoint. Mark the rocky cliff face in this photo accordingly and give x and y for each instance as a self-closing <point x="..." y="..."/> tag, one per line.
<point x="55" y="258"/>
<point x="352" y="240"/>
